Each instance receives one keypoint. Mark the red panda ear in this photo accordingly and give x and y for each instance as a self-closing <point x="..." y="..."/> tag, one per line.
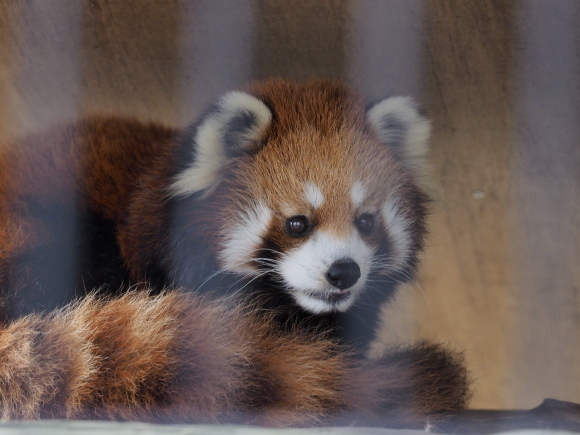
<point x="229" y="129"/>
<point x="399" y="125"/>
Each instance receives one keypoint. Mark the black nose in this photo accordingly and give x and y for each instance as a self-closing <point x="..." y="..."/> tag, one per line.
<point x="343" y="274"/>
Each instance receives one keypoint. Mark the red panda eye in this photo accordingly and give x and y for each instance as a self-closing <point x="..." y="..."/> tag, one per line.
<point x="365" y="223"/>
<point x="297" y="225"/>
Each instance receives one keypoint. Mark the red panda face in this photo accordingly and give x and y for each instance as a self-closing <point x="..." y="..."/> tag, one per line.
<point x="315" y="198"/>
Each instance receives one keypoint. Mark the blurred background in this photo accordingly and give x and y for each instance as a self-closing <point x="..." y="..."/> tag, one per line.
<point x="500" y="80"/>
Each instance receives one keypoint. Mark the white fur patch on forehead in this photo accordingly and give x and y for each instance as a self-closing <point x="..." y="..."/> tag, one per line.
<point x="313" y="195"/>
<point x="236" y="122"/>
<point x="244" y="238"/>
<point x="358" y="194"/>
<point x="397" y="227"/>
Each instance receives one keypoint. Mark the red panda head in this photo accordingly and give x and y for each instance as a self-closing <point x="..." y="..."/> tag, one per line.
<point x="312" y="189"/>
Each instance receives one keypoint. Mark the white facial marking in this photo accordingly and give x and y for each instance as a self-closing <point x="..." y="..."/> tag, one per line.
<point x="397" y="227"/>
<point x="209" y="141"/>
<point x="244" y="238"/>
<point x="304" y="270"/>
<point x="357" y="194"/>
<point x="313" y="195"/>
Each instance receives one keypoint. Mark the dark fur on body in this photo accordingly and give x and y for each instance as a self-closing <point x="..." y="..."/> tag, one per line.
<point x="87" y="206"/>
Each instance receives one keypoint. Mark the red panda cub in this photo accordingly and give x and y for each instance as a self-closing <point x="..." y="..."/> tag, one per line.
<point x="286" y="214"/>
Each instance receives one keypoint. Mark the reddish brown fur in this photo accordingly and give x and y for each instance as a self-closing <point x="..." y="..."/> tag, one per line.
<point x="325" y="120"/>
<point x="178" y="358"/>
<point x="95" y="158"/>
<point x="92" y="162"/>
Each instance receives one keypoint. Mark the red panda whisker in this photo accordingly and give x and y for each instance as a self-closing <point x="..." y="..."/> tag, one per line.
<point x="285" y="258"/>
<point x="253" y="278"/>
<point x="240" y="289"/>
<point x="210" y="277"/>
<point x="416" y="285"/>
<point x="265" y="262"/>
<point x="273" y="251"/>
<point x="408" y="281"/>
<point x="266" y="249"/>
<point x="233" y="286"/>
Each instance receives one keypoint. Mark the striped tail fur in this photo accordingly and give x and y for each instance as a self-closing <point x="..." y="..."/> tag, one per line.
<point x="180" y="358"/>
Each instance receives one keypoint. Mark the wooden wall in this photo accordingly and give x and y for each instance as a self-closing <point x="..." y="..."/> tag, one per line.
<point x="500" y="79"/>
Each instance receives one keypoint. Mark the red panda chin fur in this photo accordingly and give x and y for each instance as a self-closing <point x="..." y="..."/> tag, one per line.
<point x="178" y="357"/>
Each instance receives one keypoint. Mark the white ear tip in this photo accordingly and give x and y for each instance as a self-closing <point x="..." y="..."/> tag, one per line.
<point x="237" y="120"/>
<point x="236" y="101"/>
<point x="403" y="107"/>
<point x="398" y="124"/>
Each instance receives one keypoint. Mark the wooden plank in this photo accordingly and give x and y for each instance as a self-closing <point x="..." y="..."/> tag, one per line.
<point x="385" y="47"/>
<point x="131" y="58"/>
<point x="300" y="39"/>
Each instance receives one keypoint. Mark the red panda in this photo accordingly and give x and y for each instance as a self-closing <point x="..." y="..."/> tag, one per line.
<point x="292" y="202"/>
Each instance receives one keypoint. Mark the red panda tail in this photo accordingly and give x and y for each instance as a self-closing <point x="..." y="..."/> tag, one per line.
<point x="174" y="357"/>
<point x="177" y="357"/>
